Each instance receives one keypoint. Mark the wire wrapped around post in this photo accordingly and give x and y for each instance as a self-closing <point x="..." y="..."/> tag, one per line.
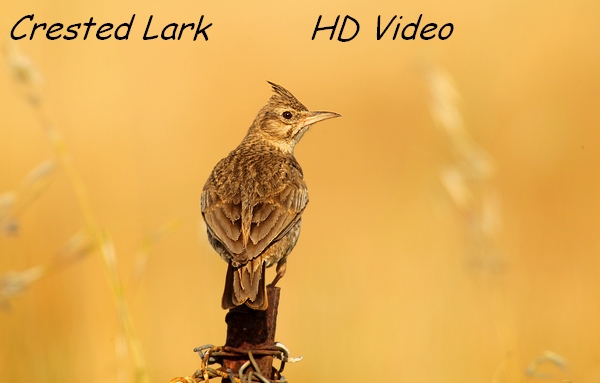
<point x="249" y="329"/>
<point x="249" y="350"/>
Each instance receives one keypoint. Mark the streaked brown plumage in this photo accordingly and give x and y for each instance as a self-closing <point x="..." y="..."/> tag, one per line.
<point x="253" y="200"/>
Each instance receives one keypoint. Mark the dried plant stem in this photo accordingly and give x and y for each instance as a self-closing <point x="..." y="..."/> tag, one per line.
<point x="468" y="182"/>
<point x="29" y="78"/>
<point x="143" y="253"/>
<point x="13" y="203"/>
<point x="511" y="370"/>
<point x="101" y="239"/>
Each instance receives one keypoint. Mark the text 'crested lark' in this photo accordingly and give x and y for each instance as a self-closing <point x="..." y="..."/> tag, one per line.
<point x="253" y="200"/>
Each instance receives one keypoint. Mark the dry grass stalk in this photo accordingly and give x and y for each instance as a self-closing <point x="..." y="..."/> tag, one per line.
<point x="29" y="79"/>
<point x="13" y="203"/>
<point x="468" y="182"/>
<point x="13" y="283"/>
<point x="468" y="178"/>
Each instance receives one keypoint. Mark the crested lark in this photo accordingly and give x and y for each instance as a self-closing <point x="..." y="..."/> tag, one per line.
<point x="253" y="200"/>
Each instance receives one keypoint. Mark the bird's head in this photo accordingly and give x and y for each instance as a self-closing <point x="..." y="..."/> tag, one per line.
<point x="284" y="119"/>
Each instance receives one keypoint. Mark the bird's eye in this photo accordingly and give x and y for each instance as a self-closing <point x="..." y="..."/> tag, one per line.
<point x="287" y="115"/>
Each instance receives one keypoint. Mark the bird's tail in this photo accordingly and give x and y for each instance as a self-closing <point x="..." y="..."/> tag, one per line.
<point x="246" y="284"/>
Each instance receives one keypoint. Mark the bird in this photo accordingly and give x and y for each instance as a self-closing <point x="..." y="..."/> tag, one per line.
<point x="253" y="200"/>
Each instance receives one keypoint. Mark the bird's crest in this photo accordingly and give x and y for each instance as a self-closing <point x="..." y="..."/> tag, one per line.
<point x="282" y="96"/>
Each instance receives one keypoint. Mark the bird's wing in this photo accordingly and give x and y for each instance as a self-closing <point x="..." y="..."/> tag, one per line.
<point x="223" y="220"/>
<point x="275" y="216"/>
<point x="270" y="219"/>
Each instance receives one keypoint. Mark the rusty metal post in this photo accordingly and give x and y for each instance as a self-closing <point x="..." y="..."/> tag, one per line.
<point x="249" y="329"/>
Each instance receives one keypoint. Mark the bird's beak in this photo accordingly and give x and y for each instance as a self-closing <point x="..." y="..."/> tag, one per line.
<point x="315" y="117"/>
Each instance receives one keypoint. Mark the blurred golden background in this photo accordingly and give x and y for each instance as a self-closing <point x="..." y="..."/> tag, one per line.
<point x="453" y="228"/>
